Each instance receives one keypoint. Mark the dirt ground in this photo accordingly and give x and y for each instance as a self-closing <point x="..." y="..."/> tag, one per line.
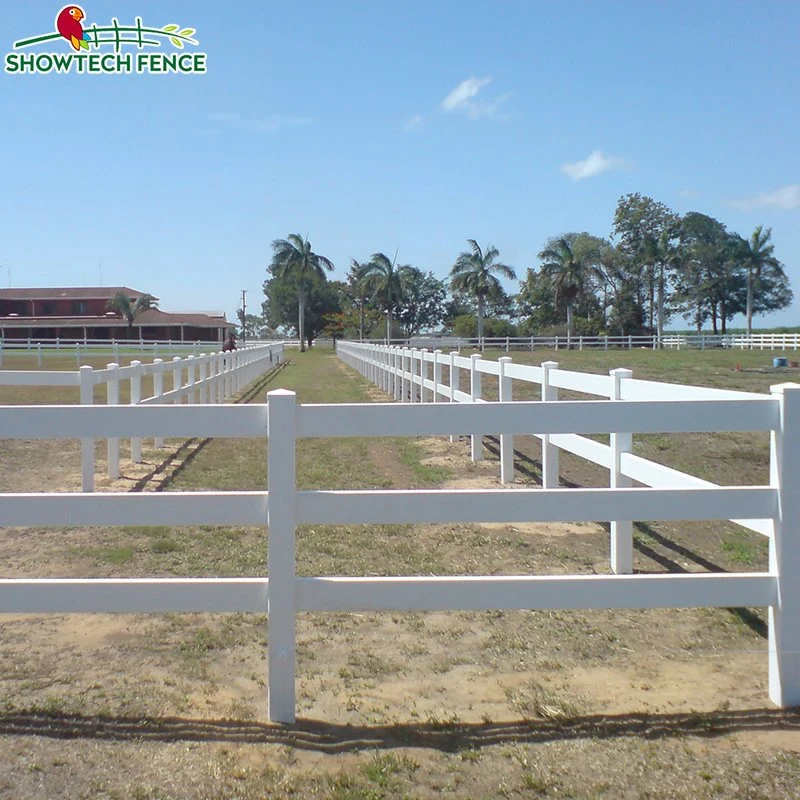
<point x="657" y="703"/>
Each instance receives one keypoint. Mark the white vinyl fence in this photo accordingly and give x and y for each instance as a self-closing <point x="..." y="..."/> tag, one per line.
<point x="206" y="378"/>
<point x="704" y="341"/>
<point x="282" y="507"/>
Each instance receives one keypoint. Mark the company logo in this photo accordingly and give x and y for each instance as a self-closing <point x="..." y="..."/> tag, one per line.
<point x="113" y="49"/>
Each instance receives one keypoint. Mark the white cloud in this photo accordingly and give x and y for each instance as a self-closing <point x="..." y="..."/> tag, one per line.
<point x="688" y="193"/>
<point x="787" y="197"/>
<point x="461" y="96"/>
<point x="591" y="166"/>
<point x="414" y="123"/>
<point x="464" y="98"/>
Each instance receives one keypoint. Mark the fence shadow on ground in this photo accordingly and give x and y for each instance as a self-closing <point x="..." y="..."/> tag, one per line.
<point x="532" y="469"/>
<point x="325" y="737"/>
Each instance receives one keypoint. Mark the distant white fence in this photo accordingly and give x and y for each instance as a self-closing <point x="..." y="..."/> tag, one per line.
<point x="97" y="348"/>
<point x="765" y="341"/>
<point x="205" y="378"/>
<point x="282" y="594"/>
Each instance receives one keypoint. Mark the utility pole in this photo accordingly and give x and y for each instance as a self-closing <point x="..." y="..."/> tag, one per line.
<point x="244" y="316"/>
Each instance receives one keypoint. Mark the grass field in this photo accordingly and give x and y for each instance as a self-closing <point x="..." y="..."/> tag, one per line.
<point x="624" y="704"/>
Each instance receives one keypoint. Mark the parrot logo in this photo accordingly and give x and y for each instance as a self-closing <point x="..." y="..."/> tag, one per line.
<point x="68" y="24"/>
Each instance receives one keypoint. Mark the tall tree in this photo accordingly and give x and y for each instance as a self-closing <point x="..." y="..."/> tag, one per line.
<point x="640" y="225"/>
<point x="757" y="254"/>
<point x="294" y="257"/>
<point x="422" y="305"/>
<point x="359" y="291"/>
<point x="387" y="281"/>
<point x="129" y="308"/>
<point x="705" y="274"/>
<point x="475" y="273"/>
<point x="321" y="297"/>
<point x="569" y="261"/>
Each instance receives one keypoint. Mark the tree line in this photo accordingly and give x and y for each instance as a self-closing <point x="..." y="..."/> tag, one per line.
<point x="655" y="265"/>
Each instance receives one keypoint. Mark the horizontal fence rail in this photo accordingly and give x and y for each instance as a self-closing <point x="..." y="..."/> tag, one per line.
<point x="282" y="507"/>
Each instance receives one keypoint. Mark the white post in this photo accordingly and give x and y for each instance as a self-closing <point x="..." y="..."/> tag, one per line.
<point x="423" y="373"/>
<point x="136" y="396"/>
<point x="176" y="378"/>
<point x="203" y="398"/>
<point x="281" y="567"/>
<point x="621" y="532"/>
<point x="39" y="354"/>
<point x="396" y="366"/>
<point x="112" y="399"/>
<point x="549" y="451"/>
<point x="192" y="397"/>
<point x="437" y="374"/>
<point x="158" y="390"/>
<point x="405" y="357"/>
<point x="455" y="383"/>
<point x="475" y="393"/>
<point x="506" y="440"/>
<point x="228" y="362"/>
<point x="413" y="371"/>
<point x="784" y="550"/>
<point x="87" y="445"/>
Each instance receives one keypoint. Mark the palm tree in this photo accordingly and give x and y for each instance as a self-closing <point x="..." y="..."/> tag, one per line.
<point x="569" y="265"/>
<point x="473" y="273"/>
<point x="359" y="289"/>
<point x="293" y="258"/>
<point x="387" y="282"/>
<point x="756" y="253"/>
<point x="129" y="308"/>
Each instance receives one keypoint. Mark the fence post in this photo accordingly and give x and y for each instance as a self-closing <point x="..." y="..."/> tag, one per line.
<point x="136" y="396"/>
<point x="116" y="352"/>
<point x="475" y="394"/>
<point x="192" y="396"/>
<point x="112" y="399"/>
<point x="203" y="398"/>
<point x="87" y="445"/>
<point x="158" y="390"/>
<point x="549" y="451"/>
<point x="281" y="559"/>
<point x="455" y="383"/>
<point x="176" y="378"/>
<point x="39" y="354"/>
<point x="413" y="376"/>
<point x="784" y="550"/>
<point x="621" y="531"/>
<point x="437" y="374"/>
<point x="423" y="373"/>
<point x="506" y="439"/>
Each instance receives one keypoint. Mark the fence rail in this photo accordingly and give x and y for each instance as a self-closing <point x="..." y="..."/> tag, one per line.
<point x="282" y="507"/>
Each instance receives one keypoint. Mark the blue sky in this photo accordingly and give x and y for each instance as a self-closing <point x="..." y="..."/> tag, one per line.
<point x="407" y="126"/>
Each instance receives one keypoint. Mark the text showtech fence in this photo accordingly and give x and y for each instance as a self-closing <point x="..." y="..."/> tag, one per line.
<point x="113" y="49"/>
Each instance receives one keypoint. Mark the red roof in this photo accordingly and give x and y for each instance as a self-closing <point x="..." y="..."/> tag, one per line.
<point x="151" y="318"/>
<point x="70" y="293"/>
